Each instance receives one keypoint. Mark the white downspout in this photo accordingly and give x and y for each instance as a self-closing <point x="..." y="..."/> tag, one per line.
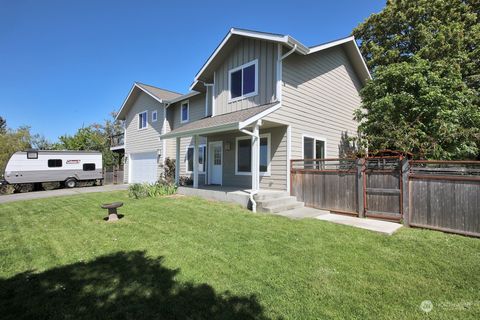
<point x="255" y="161"/>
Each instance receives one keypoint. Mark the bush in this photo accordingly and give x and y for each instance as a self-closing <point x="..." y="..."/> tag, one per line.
<point x="138" y="191"/>
<point x="185" y="181"/>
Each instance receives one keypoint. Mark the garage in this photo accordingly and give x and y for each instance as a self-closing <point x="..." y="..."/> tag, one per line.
<point x="143" y="167"/>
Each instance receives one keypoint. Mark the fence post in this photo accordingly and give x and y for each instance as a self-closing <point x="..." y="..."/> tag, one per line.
<point x="360" y="192"/>
<point x="405" y="192"/>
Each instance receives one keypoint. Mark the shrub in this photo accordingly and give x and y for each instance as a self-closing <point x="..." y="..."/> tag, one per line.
<point x="185" y="181"/>
<point x="138" y="191"/>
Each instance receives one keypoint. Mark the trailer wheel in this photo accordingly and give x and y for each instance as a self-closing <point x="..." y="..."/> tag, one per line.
<point x="70" y="183"/>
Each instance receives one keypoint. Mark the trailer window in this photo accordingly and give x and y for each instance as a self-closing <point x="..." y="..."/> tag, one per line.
<point x="32" y="155"/>
<point x="54" y="163"/>
<point x="88" y="166"/>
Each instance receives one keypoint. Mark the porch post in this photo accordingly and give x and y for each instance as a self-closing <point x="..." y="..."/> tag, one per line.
<point x="177" y="161"/>
<point x="195" y="162"/>
<point x="256" y="158"/>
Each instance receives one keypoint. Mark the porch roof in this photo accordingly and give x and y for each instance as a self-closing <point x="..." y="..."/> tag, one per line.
<point x="229" y="121"/>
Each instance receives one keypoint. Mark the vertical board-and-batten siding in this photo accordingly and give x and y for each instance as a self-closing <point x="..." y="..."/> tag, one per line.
<point x="246" y="51"/>
<point x="320" y="92"/>
<point x="147" y="139"/>
<point x="196" y="112"/>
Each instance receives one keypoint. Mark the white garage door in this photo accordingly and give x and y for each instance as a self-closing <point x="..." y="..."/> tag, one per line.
<point x="143" y="167"/>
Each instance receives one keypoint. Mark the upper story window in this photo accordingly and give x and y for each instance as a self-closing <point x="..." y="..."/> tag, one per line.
<point x="184" y="111"/>
<point x="243" y="81"/>
<point x="142" y="120"/>
<point x="154" y="116"/>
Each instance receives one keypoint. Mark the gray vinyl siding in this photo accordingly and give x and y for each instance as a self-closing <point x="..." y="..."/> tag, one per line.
<point x="196" y="112"/>
<point x="247" y="50"/>
<point x="148" y="139"/>
<point x="319" y="95"/>
<point x="278" y="160"/>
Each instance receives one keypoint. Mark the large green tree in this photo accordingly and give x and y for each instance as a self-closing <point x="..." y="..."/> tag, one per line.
<point x="12" y="141"/>
<point x="425" y="60"/>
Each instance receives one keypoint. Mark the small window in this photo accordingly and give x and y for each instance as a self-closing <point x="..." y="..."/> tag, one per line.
<point x="154" y="116"/>
<point x="89" y="167"/>
<point x="184" y="111"/>
<point x="201" y="158"/>
<point x="243" y="81"/>
<point x="54" y="163"/>
<point x="142" y="120"/>
<point x="32" y="155"/>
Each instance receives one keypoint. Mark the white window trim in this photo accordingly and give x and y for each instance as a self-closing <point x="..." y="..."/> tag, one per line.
<point x="269" y="146"/>
<point x="251" y="94"/>
<point x="204" y="158"/>
<point x="138" y="119"/>
<point x="314" y="144"/>
<point x="186" y="102"/>
<point x="155" y="112"/>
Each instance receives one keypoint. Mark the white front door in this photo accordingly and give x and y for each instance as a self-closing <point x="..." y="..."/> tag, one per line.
<point x="215" y="162"/>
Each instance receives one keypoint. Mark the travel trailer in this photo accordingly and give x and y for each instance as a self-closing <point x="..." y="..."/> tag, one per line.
<point x="41" y="166"/>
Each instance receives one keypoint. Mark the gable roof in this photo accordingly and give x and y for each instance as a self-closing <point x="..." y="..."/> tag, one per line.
<point x="159" y="94"/>
<point x="230" y="39"/>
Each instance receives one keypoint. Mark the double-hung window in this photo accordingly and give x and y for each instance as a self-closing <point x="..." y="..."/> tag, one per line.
<point x="243" y="81"/>
<point x="184" y="111"/>
<point x="201" y="158"/>
<point x="243" y="155"/>
<point x="142" y="120"/>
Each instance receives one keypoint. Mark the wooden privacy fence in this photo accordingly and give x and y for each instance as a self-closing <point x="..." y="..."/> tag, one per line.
<point x="440" y="195"/>
<point x="113" y="175"/>
<point x="444" y="195"/>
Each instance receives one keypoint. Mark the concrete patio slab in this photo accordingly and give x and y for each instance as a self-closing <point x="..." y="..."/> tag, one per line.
<point x="384" y="227"/>
<point x="368" y="224"/>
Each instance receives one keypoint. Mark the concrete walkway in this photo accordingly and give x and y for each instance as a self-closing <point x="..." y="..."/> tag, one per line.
<point x="60" y="192"/>
<point x="384" y="227"/>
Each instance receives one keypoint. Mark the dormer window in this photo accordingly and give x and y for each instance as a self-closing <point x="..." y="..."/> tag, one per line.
<point x="184" y="112"/>
<point x="243" y="81"/>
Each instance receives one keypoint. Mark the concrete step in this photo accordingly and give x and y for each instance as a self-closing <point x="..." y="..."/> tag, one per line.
<point x="276" y="201"/>
<point x="283" y="207"/>
<point x="267" y="195"/>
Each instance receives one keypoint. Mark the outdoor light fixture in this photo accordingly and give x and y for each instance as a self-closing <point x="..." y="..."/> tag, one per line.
<point x="227" y="146"/>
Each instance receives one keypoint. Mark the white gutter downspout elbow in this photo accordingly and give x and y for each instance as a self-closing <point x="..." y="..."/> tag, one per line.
<point x="289" y="52"/>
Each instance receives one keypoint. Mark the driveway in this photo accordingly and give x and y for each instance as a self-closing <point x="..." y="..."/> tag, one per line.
<point x="60" y="192"/>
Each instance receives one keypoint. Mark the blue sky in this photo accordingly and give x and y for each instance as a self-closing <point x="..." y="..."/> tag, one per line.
<point x="64" y="64"/>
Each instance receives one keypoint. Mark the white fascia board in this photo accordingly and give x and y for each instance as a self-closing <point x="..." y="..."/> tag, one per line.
<point x="221" y="128"/>
<point x="259" y="116"/>
<point x="135" y="85"/>
<point x="330" y="44"/>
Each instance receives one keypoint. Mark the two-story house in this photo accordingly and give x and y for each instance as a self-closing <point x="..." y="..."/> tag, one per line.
<point x="260" y="100"/>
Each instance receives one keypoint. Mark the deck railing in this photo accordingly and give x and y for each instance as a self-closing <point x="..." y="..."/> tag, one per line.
<point x="117" y="140"/>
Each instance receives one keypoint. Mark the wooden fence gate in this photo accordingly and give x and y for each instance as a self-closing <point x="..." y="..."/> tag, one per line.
<point x="382" y="187"/>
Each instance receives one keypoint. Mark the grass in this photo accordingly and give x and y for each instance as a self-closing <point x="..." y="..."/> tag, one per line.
<point x="188" y="258"/>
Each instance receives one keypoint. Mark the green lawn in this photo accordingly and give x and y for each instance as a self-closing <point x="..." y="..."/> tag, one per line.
<point x="187" y="258"/>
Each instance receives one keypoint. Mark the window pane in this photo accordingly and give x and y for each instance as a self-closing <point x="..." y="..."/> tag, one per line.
<point x="154" y="116"/>
<point x="263" y="154"/>
<point x="88" y="166"/>
<point x="190" y="159"/>
<point x="249" y="79"/>
<point x="308" y="148"/>
<point x="201" y="157"/>
<point x="54" y="163"/>
<point x="32" y="155"/>
<point x="236" y="84"/>
<point x="244" y="155"/>
<point x="319" y="149"/>
<point x="184" y="112"/>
